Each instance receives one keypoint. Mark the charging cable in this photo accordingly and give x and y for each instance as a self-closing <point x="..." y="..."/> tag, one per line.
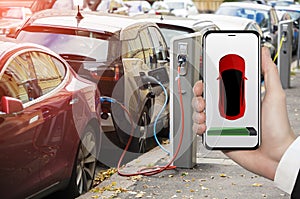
<point x="158" y="115"/>
<point x="156" y="169"/>
<point x="280" y="45"/>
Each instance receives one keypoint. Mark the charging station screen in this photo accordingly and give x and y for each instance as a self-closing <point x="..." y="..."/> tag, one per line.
<point x="232" y="89"/>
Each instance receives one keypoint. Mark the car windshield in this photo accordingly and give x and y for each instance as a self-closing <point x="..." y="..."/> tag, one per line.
<point x="83" y="46"/>
<point x="175" y="5"/>
<point x="11" y="12"/>
<point x="260" y="16"/>
<point x="294" y="14"/>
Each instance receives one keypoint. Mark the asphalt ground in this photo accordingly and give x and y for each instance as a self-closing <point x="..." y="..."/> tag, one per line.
<point x="215" y="176"/>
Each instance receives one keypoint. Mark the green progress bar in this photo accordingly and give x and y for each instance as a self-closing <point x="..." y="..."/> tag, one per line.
<point x="231" y="131"/>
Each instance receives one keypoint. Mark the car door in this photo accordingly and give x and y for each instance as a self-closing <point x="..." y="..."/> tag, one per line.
<point x="55" y="138"/>
<point x="19" y="156"/>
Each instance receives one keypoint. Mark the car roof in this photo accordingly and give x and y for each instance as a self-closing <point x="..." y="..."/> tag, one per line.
<point x="246" y="5"/>
<point x="9" y="44"/>
<point x="224" y="22"/>
<point x="93" y="21"/>
<point x="288" y="8"/>
<point x="173" y="20"/>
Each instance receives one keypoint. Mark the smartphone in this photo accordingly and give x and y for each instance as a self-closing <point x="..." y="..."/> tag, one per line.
<point x="232" y="79"/>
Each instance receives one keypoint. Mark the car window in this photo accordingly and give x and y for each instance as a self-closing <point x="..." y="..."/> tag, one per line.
<point x="18" y="79"/>
<point x="86" y="44"/>
<point x="169" y="32"/>
<point x="147" y="46"/>
<point x="160" y="48"/>
<point x="133" y="49"/>
<point x="49" y="71"/>
<point x="261" y="17"/>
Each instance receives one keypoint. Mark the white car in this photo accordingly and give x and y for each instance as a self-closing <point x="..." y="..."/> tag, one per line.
<point x="225" y="22"/>
<point x="182" y="8"/>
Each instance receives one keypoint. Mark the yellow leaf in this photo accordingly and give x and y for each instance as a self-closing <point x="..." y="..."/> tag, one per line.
<point x="114" y="183"/>
<point x="223" y="175"/>
<point x="257" y="185"/>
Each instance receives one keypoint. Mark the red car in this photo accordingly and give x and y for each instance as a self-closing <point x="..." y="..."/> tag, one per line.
<point x="232" y="78"/>
<point x="49" y="124"/>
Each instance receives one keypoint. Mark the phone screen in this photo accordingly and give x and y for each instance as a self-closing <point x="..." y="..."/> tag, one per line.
<point x="232" y="89"/>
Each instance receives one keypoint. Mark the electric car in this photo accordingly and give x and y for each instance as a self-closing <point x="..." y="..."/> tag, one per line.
<point x="49" y="124"/>
<point x="265" y="16"/>
<point x="116" y="52"/>
<point x="232" y="78"/>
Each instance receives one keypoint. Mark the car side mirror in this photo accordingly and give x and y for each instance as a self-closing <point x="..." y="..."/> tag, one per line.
<point x="11" y="105"/>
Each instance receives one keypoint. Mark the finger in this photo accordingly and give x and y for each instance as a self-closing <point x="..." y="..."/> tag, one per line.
<point x="198" y="104"/>
<point x="199" y="118"/>
<point x="271" y="76"/>
<point x="198" y="88"/>
<point x="199" y="129"/>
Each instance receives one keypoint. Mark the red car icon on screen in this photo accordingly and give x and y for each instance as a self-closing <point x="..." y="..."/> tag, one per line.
<point x="232" y="78"/>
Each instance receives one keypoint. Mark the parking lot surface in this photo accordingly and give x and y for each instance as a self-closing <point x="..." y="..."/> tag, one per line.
<point x="214" y="176"/>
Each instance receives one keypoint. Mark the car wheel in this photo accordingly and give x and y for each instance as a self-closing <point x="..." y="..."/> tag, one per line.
<point x="143" y="130"/>
<point x="85" y="164"/>
<point x="138" y="143"/>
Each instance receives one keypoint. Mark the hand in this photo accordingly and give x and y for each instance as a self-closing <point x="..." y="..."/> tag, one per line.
<point x="277" y="134"/>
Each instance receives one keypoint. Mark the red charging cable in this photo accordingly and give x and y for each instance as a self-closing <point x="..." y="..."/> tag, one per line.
<point x="157" y="169"/>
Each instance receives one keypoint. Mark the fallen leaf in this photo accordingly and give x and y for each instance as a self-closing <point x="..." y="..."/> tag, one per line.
<point x="140" y="194"/>
<point x="223" y="175"/>
<point x="184" y="174"/>
<point x="178" y="191"/>
<point x="257" y="185"/>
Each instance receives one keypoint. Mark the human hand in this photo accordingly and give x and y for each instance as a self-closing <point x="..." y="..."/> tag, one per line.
<point x="277" y="134"/>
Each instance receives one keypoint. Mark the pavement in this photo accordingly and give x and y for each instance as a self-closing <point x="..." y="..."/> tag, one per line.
<point x="215" y="176"/>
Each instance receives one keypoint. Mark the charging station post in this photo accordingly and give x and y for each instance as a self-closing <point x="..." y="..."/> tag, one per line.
<point x="186" y="54"/>
<point x="285" y="37"/>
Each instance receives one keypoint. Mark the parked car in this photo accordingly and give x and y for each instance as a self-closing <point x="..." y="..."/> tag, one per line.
<point x="113" y="6"/>
<point x="172" y="26"/>
<point x="113" y="51"/>
<point x="225" y="22"/>
<point x="182" y="8"/>
<point x="160" y="8"/>
<point x="49" y="124"/>
<point x="265" y="16"/>
<point x="11" y="18"/>
<point x="138" y="7"/>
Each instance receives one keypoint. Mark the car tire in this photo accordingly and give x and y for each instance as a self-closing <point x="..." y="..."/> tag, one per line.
<point x="138" y="143"/>
<point x="85" y="164"/>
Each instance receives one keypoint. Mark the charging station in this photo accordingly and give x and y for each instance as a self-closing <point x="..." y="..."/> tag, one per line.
<point x="185" y="53"/>
<point x="285" y="38"/>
